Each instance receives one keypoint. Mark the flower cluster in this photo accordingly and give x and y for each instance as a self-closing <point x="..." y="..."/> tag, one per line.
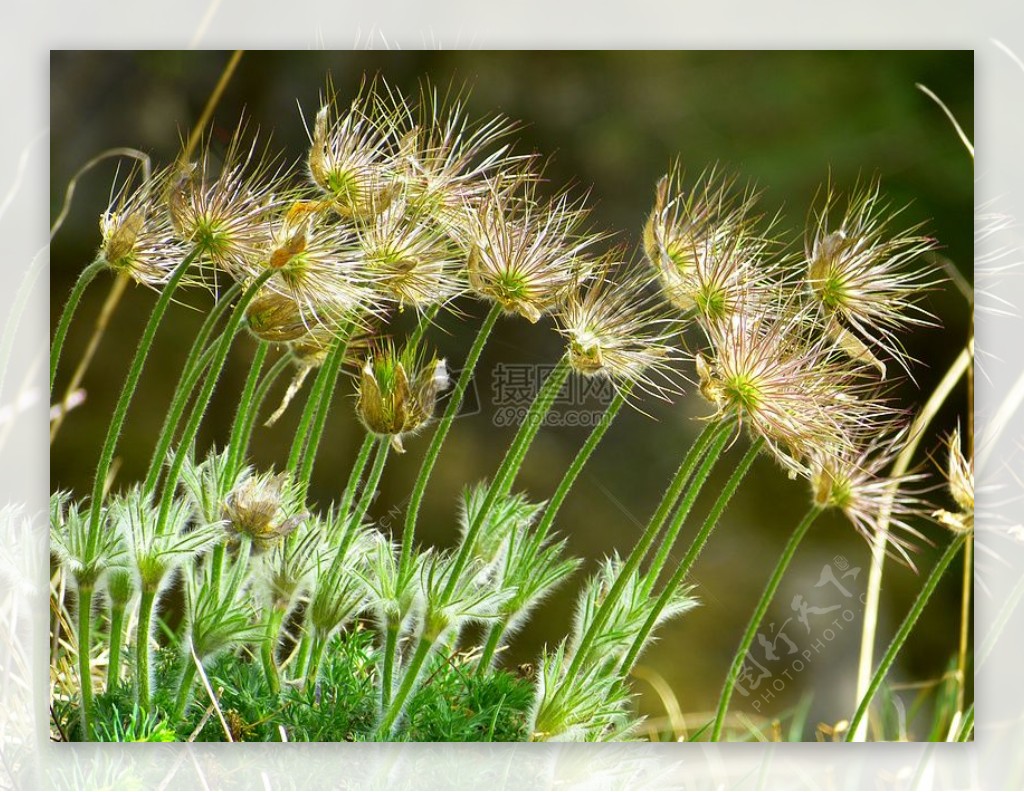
<point x="794" y="348"/>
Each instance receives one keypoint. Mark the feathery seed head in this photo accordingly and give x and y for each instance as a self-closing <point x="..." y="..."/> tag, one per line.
<point x="859" y="275"/>
<point x="351" y="157"/>
<point x="412" y="259"/>
<point x="525" y="255"/>
<point x="225" y="211"/>
<point x="447" y="162"/>
<point x="317" y="265"/>
<point x="616" y="328"/>
<point x="705" y="248"/>
<point x="789" y="388"/>
<point x="136" y="238"/>
<point x="854" y="481"/>
<point x="398" y="391"/>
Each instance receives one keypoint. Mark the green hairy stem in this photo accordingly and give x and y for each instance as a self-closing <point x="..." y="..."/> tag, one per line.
<point x="696" y="452"/>
<point x="199" y="358"/>
<point x="84" y="279"/>
<point x="755" y="621"/>
<point x="203" y="399"/>
<point x="85" y="657"/>
<point x="440" y="433"/>
<point x="248" y="421"/>
<point x="116" y="635"/>
<point x="903" y="633"/>
<point x="127" y="392"/>
<point x="691" y="554"/>
<point x="245" y="406"/>
<point x="510" y="466"/>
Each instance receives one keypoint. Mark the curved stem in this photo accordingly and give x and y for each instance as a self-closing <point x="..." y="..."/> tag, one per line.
<point x="436" y="442"/>
<point x="188" y="676"/>
<point x="965" y="624"/>
<point x="691" y="555"/>
<point x="245" y="405"/>
<point x="595" y="436"/>
<point x="643" y="545"/>
<point x="117" y="289"/>
<point x="268" y="647"/>
<point x="302" y="659"/>
<point x="510" y="465"/>
<point x="388" y="669"/>
<point x="203" y="399"/>
<point x="421" y="326"/>
<point x="308" y="643"/>
<point x="490" y="647"/>
<point x="217" y="566"/>
<point x="902" y="634"/>
<point x="199" y="357"/>
<point x="370" y="488"/>
<point x="711" y="457"/>
<point x="412" y="672"/>
<point x="755" y="620"/>
<point x="532" y="424"/>
<point x="881" y="538"/>
<point x="312" y="405"/>
<point x="85" y="657"/>
<point x="249" y="421"/>
<point x="125" y="399"/>
<point x="186" y="385"/>
<point x="503" y="479"/>
<point x="316" y="652"/>
<point x="355" y="475"/>
<point x="84" y="279"/>
<point x="326" y="395"/>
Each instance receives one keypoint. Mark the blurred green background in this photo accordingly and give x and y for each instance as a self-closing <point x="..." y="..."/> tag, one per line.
<point x="613" y="122"/>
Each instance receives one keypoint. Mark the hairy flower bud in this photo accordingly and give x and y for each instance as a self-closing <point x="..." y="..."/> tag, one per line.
<point x="960" y="477"/>
<point x="398" y="392"/>
<point x="275" y="318"/>
<point x="260" y="509"/>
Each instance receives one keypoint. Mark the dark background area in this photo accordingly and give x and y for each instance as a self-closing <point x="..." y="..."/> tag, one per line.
<point x="613" y="122"/>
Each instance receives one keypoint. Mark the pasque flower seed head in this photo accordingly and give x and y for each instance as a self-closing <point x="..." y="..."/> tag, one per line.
<point x="136" y="238"/>
<point x="617" y="328"/>
<point x="860" y="275"/>
<point x="526" y="253"/>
